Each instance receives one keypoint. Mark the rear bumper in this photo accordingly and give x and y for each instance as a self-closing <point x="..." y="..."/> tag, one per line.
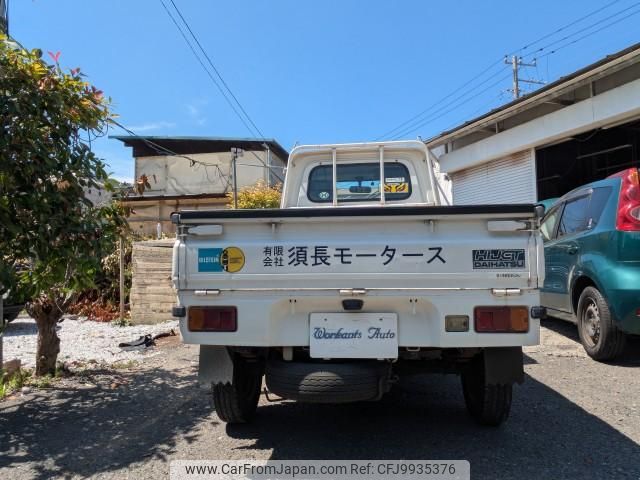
<point x="269" y="320"/>
<point x="625" y="305"/>
<point x="622" y="289"/>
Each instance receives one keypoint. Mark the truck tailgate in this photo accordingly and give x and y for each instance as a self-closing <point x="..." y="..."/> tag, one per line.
<point x="370" y="248"/>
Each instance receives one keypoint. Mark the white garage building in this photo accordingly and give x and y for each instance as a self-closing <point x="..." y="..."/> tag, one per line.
<point x="581" y="128"/>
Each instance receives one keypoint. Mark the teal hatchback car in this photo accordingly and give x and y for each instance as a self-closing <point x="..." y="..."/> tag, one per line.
<point x="592" y="258"/>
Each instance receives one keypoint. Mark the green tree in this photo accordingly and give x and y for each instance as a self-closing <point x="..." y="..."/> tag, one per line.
<point x="47" y="118"/>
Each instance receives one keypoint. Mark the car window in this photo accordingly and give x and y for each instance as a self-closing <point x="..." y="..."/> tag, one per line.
<point x="359" y="182"/>
<point x="599" y="199"/>
<point x="548" y="226"/>
<point x="574" y="216"/>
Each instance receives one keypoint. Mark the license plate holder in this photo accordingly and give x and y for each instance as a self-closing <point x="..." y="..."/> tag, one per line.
<point x="353" y="335"/>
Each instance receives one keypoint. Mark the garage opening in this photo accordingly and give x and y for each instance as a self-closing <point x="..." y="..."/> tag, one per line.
<point x="586" y="158"/>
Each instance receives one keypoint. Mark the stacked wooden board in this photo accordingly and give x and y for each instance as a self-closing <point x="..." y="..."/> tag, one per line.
<point x="152" y="294"/>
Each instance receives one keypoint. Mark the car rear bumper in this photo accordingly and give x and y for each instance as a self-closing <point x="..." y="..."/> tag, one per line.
<point x="626" y="309"/>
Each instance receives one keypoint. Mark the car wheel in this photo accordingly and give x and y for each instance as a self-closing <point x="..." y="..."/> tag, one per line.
<point x="488" y="404"/>
<point x="599" y="335"/>
<point x="237" y="402"/>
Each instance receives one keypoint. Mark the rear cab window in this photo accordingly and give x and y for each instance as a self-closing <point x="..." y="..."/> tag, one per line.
<point x="359" y="182"/>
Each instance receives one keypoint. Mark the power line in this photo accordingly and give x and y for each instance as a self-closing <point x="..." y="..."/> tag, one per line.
<point x="590" y="34"/>
<point x="431" y="107"/>
<point x="204" y="67"/>
<point x="257" y="131"/>
<point x="204" y="52"/>
<point x="193" y="162"/>
<point x="453" y="104"/>
<point x="492" y="65"/>
<point x="583" y="29"/>
<point x="564" y="27"/>
<point x="566" y="45"/>
<point x="482" y="108"/>
<point x="167" y="152"/>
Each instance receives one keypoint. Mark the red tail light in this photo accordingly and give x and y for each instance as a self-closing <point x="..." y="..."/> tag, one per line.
<point x="628" y="219"/>
<point x="501" y="319"/>
<point x="213" y="319"/>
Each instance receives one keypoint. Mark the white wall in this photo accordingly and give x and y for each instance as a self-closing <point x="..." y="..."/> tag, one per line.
<point x="97" y="196"/>
<point x="169" y="175"/>
<point x="616" y="105"/>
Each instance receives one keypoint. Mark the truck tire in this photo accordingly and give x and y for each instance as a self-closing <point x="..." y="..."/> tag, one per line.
<point x="597" y="329"/>
<point x="327" y="382"/>
<point x="488" y="404"/>
<point x="236" y="402"/>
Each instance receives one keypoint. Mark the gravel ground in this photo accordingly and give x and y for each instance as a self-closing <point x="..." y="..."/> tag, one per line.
<point x="81" y="341"/>
<point x="573" y="418"/>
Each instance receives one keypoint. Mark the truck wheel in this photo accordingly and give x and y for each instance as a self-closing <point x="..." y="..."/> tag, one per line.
<point x="598" y="332"/>
<point x="488" y="404"/>
<point x="236" y="402"/>
<point x="327" y="382"/>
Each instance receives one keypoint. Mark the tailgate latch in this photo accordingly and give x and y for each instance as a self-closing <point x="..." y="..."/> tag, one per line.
<point x="202" y="293"/>
<point x="506" y="292"/>
<point x="352" y="292"/>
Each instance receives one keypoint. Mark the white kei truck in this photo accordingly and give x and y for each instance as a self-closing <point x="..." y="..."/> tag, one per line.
<point x="361" y="277"/>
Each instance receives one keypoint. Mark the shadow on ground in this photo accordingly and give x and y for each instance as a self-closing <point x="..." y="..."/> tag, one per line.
<point x="120" y="420"/>
<point x="547" y="435"/>
<point x="630" y="357"/>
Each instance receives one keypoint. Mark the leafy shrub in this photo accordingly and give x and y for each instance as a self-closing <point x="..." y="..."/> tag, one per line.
<point x="257" y="196"/>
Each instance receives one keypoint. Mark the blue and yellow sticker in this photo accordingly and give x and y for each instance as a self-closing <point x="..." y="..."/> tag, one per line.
<point x="215" y="260"/>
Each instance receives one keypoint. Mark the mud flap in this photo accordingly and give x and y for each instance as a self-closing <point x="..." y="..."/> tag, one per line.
<point x="216" y="366"/>
<point x="503" y="366"/>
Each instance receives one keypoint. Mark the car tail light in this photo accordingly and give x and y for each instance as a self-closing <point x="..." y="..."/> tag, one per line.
<point x="213" y="319"/>
<point x="501" y="319"/>
<point x="628" y="218"/>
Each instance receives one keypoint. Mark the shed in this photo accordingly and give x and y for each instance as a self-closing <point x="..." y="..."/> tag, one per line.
<point x="195" y="173"/>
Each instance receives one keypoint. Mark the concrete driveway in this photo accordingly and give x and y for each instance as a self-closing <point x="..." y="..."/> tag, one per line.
<point x="573" y="418"/>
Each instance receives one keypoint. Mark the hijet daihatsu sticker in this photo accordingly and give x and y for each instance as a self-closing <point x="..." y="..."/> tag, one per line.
<point x="214" y="260"/>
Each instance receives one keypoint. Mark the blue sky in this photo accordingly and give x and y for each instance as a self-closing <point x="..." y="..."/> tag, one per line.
<point x="311" y="72"/>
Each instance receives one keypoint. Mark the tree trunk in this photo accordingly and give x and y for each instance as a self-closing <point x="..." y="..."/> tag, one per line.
<point x="2" y="325"/>
<point x="46" y="313"/>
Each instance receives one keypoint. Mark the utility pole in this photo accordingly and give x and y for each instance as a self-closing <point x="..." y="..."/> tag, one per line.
<point x="235" y="153"/>
<point x="268" y="150"/>
<point x="516" y="62"/>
